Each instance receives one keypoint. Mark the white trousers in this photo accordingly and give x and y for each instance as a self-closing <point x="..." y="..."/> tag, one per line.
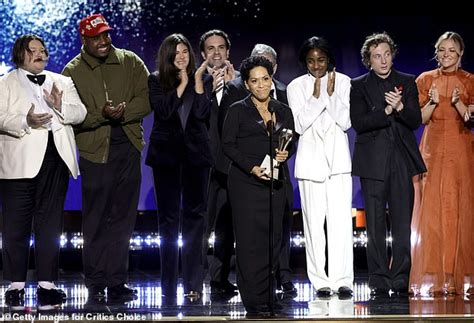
<point x="330" y="200"/>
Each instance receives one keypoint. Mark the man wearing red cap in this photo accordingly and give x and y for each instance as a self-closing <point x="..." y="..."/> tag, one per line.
<point x="112" y="84"/>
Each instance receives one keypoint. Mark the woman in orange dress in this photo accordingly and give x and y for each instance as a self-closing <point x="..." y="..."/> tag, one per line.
<point x="442" y="225"/>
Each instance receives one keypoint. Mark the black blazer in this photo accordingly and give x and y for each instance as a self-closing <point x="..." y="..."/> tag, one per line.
<point x="215" y="132"/>
<point x="245" y="138"/>
<point x="234" y="91"/>
<point x="170" y="143"/>
<point x="368" y="118"/>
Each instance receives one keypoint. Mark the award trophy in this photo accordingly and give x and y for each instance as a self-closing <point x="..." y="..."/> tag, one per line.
<point x="283" y="141"/>
<point x="285" y="137"/>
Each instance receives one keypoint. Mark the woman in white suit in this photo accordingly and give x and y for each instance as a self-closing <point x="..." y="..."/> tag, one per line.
<point x="320" y="104"/>
<point x="38" y="152"/>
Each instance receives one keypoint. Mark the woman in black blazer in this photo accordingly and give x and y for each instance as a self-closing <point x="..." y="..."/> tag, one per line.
<point x="180" y="157"/>
<point x="245" y="139"/>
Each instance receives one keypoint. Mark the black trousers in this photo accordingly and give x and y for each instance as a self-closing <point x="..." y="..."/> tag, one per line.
<point x="284" y="272"/>
<point x="39" y="203"/>
<point x="110" y="195"/>
<point x="396" y="190"/>
<point x="249" y="199"/>
<point x="181" y="193"/>
<point x="220" y="221"/>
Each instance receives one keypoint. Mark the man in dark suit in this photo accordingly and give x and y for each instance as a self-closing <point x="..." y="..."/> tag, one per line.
<point x="215" y="48"/>
<point x="384" y="113"/>
<point x="235" y="91"/>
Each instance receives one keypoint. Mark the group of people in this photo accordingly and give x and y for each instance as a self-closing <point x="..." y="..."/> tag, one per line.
<point x="429" y="190"/>
<point x="219" y="166"/>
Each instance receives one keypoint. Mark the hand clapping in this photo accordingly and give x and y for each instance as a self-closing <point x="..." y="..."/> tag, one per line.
<point x="394" y="100"/>
<point x="53" y="99"/>
<point x="35" y="120"/>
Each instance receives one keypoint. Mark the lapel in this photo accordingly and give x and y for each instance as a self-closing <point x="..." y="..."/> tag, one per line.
<point x="188" y="97"/>
<point x="258" y="118"/>
<point x="280" y="91"/>
<point x="25" y="85"/>
<point x="372" y="91"/>
<point x="278" y="114"/>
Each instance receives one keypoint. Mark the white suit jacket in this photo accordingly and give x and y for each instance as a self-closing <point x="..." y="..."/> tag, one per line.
<point x="323" y="146"/>
<point x="22" y="149"/>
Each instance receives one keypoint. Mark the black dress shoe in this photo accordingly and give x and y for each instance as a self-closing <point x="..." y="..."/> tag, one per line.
<point x="222" y="288"/>
<point x="324" y="292"/>
<point x="53" y="296"/>
<point x="228" y="287"/>
<point x="96" y="292"/>
<point x="121" y="290"/>
<point x="344" y="291"/>
<point x="379" y="292"/>
<point x="289" y="288"/>
<point x="15" y="297"/>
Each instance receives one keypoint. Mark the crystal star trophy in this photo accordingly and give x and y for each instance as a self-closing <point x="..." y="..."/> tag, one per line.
<point x="284" y="140"/>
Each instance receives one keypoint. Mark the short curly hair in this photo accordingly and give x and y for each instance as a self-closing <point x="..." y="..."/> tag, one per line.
<point x="254" y="61"/>
<point x="374" y="40"/>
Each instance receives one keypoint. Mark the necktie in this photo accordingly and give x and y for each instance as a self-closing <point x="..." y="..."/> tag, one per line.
<point x="37" y="79"/>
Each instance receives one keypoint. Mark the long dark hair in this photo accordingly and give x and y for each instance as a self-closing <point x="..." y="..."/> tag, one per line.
<point x="21" y="45"/>
<point x="168" y="72"/>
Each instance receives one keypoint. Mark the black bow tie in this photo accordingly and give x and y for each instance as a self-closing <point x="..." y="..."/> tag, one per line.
<point x="38" y="79"/>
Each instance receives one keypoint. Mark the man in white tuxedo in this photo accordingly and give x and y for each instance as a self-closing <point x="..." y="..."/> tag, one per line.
<point x="38" y="152"/>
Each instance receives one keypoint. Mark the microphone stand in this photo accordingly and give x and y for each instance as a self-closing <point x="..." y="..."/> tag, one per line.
<point x="271" y="273"/>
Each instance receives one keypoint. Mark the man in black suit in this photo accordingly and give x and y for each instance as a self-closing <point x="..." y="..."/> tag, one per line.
<point x="235" y="91"/>
<point x="384" y="113"/>
<point x="215" y="47"/>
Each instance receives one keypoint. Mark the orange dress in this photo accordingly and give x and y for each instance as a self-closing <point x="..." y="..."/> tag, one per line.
<point x="443" y="217"/>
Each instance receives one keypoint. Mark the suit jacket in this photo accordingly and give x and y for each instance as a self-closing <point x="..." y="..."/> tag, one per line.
<point x="240" y="141"/>
<point x="372" y="146"/>
<point x="215" y="131"/>
<point x="323" y="147"/>
<point x="171" y="142"/>
<point x="22" y="148"/>
<point x="234" y="91"/>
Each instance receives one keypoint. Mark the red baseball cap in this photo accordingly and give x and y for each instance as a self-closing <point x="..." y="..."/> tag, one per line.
<point x="93" y="25"/>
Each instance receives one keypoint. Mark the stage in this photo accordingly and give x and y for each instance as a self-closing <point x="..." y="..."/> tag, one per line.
<point x="305" y="306"/>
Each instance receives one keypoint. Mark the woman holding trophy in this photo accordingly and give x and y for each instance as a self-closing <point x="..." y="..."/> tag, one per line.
<point x="246" y="134"/>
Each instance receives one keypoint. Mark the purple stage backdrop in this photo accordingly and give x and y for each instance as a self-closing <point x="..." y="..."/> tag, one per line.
<point x="142" y="25"/>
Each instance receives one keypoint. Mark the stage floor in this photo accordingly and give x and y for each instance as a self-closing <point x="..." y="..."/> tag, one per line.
<point x="305" y="306"/>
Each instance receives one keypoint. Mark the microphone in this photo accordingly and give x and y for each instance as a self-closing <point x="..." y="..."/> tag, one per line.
<point x="270" y="126"/>
<point x="270" y="122"/>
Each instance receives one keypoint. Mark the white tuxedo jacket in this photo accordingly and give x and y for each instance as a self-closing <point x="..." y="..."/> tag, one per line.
<point x="323" y="146"/>
<point x="22" y="149"/>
